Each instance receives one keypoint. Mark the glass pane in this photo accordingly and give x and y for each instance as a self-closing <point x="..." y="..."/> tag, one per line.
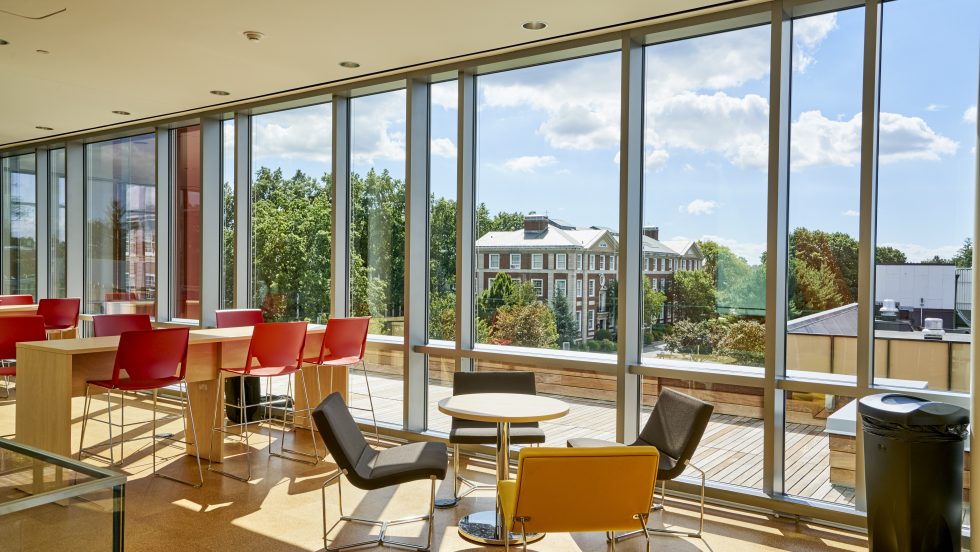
<point x="57" y="252"/>
<point x="442" y="212"/>
<point x="819" y="447"/>
<point x="377" y="232"/>
<point x="120" y="226"/>
<point x="19" y="195"/>
<point x="926" y="186"/>
<point x="548" y="139"/>
<point x="291" y="209"/>
<point x="705" y="158"/>
<point x="187" y="223"/>
<point x="228" y="214"/>
<point x="824" y="196"/>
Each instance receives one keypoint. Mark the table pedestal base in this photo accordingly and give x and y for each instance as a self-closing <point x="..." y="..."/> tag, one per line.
<point x="482" y="528"/>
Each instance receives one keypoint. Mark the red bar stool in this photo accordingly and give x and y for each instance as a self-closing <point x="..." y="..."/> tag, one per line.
<point x="343" y="344"/>
<point x="60" y="315"/>
<point x="153" y="359"/>
<point x="115" y="324"/>
<point x="237" y="318"/>
<point x="276" y="350"/>
<point x="10" y="300"/>
<point x="13" y="330"/>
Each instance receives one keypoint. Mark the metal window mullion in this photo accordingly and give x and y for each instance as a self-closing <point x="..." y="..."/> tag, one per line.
<point x="75" y="220"/>
<point x="5" y="229"/>
<point x="42" y="234"/>
<point x="243" y="211"/>
<point x="416" y="253"/>
<point x="629" y="341"/>
<point x="774" y="404"/>
<point x="465" y="219"/>
<point x="974" y="344"/>
<point x="211" y="224"/>
<point x="164" y="222"/>
<point x="867" y="226"/>
<point x="340" y="218"/>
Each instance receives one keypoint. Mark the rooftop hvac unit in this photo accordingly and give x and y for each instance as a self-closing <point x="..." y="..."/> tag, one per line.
<point x="933" y="329"/>
<point x="888" y="309"/>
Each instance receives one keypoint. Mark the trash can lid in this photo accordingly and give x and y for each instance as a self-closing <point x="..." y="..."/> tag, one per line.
<point x="912" y="411"/>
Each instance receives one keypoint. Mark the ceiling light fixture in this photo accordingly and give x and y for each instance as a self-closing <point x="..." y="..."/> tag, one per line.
<point x="42" y="51"/>
<point x="43" y="128"/>
<point x="534" y="25"/>
<point x="253" y="36"/>
<point x="120" y="112"/>
<point x="219" y="92"/>
<point x="350" y="64"/>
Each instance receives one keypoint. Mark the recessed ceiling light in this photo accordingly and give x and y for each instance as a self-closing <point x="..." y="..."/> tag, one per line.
<point x="42" y="51"/>
<point x="253" y="36"/>
<point x="534" y="25"/>
<point x="219" y="92"/>
<point x="3" y="42"/>
<point x="120" y="112"/>
<point x="43" y="128"/>
<point x="350" y="64"/>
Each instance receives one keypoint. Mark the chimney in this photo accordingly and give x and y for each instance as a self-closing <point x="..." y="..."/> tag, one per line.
<point x="652" y="232"/>
<point x="534" y="223"/>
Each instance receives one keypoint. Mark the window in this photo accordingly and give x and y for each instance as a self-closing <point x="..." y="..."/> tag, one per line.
<point x="537" y="261"/>
<point x="187" y="223"/>
<point x="603" y="245"/>
<point x="291" y="208"/>
<point x="654" y="282"/>
<point x="120" y="226"/>
<point x="560" y="261"/>
<point x="591" y="320"/>
<point x="591" y="287"/>
<point x="494" y="263"/>
<point x="578" y="287"/>
<point x="228" y="213"/>
<point x="591" y="262"/>
<point x="561" y="287"/>
<point x="442" y="224"/>
<point x="578" y="261"/>
<point x="602" y="262"/>
<point x="19" y="224"/>
<point x="578" y="321"/>
<point x="538" y="287"/>
<point x="57" y="252"/>
<point x="515" y="261"/>
<point x="612" y="262"/>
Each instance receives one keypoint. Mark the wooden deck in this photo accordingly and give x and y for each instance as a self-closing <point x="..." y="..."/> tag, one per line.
<point x="730" y="452"/>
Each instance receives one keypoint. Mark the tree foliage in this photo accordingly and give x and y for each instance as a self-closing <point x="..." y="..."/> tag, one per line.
<point x="525" y="325"/>
<point x="886" y="254"/>
<point x="694" y="295"/>
<point x="565" y="325"/>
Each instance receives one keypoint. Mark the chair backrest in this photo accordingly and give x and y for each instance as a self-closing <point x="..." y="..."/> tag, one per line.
<point x="115" y="324"/>
<point x="465" y="383"/>
<point x="8" y="300"/>
<point x="676" y="425"/>
<point x="345" y="337"/>
<point x="15" y="329"/>
<point x="59" y="313"/>
<point x="277" y="344"/>
<point x="152" y="354"/>
<point x="237" y="318"/>
<point x="343" y="438"/>
<point x="584" y="489"/>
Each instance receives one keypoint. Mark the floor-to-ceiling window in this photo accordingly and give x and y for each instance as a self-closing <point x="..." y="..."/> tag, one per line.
<point x="19" y="224"/>
<point x="228" y="214"/>
<point x="186" y="253"/>
<point x="120" y="226"/>
<point x="291" y="198"/>
<point x="57" y="202"/>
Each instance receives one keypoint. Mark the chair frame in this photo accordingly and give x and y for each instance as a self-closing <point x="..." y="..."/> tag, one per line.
<point x="381" y="539"/>
<point x="663" y="507"/>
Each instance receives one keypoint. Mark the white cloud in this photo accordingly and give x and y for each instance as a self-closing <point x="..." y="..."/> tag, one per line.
<point x="917" y="253"/>
<point x="970" y="115"/>
<point x="700" y="207"/>
<point x="655" y="158"/>
<point x="378" y="128"/>
<point x="529" y="163"/>
<point x="580" y="127"/>
<point x="808" y="33"/>
<point x="443" y="147"/>
<point x="851" y="213"/>
<point x="444" y="94"/>
<point x="902" y="138"/>
<point x="302" y="133"/>
<point x="935" y="107"/>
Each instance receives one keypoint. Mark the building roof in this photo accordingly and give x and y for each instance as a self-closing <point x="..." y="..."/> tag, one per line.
<point x="561" y="235"/>
<point x="840" y="321"/>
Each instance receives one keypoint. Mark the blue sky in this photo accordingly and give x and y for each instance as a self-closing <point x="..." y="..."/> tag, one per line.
<point x="548" y="136"/>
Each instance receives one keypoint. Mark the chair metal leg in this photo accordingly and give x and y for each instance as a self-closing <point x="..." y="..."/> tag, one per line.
<point x="451" y="502"/>
<point x="315" y="457"/>
<point x="81" y="440"/>
<point x="380" y="540"/>
<point x="108" y="403"/>
<point x="243" y="425"/>
<point x="523" y="536"/>
<point x="6" y="384"/>
<point x="186" y="412"/>
<point x="374" y="417"/>
<point x="693" y="534"/>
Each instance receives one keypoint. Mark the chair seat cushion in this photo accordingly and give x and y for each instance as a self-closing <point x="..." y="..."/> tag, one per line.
<point x="333" y="361"/>
<point x="8" y="370"/>
<point x="127" y="384"/>
<point x="262" y="371"/>
<point x="401" y="464"/>
<point x="519" y="435"/>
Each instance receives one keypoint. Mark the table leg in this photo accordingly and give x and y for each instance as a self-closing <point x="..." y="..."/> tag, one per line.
<point x="43" y="416"/>
<point x="202" y="396"/>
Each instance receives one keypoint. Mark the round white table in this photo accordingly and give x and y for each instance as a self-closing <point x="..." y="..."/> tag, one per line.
<point x="502" y="409"/>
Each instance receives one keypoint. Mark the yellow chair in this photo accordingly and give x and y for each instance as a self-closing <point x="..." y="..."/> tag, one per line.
<point x="576" y="490"/>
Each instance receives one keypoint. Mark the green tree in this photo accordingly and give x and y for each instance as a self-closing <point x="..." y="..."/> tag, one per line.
<point x="442" y="245"/>
<point x="494" y="297"/>
<point x="653" y="303"/>
<point x="693" y="295"/>
<point x="936" y="259"/>
<point x="964" y="256"/>
<point x="565" y="324"/>
<point x="523" y="325"/>
<point x="886" y="254"/>
<point x="442" y="316"/>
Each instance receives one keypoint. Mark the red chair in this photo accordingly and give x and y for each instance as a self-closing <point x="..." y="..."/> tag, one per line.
<point x="276" y="350"/>
<point x="115" y="324"/>
<point x="153" y="359"/>
<point x="10" y="300"/>
<point x="343" y="344"/>
<point x="237" y="318"/>
<point x="13" y="330"/>
<point x="60" y="315"/>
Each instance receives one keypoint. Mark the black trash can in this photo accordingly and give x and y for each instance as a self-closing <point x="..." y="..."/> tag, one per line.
<point x="913" y="465"/>
<point x="233" y="390"/>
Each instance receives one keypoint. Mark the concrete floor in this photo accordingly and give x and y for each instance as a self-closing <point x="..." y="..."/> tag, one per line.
<point x="280" y="510"/>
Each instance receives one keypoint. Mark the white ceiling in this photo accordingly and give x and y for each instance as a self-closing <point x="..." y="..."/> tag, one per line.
<point x="157" y="58"/>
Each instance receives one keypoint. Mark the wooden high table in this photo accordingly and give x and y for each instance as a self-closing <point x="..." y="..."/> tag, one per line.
<point x="50" y="373"/>
<point x="502" y="409"/>
<point x="18" y="310"/>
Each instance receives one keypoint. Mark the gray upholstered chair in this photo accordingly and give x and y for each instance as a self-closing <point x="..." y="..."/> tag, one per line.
<point x="467" y="432"/>
<point x="369" y="469"/>
<point x="675" y="427"/>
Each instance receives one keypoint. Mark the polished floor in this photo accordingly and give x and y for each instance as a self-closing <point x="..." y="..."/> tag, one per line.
<point x="280" y="510"/>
